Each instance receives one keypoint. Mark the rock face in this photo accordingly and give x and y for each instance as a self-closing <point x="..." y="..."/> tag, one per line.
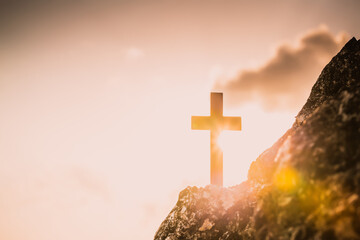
<point x="306" y="186"/>
<point x="209" y="213"/>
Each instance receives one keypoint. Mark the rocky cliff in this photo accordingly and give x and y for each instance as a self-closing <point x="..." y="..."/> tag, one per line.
<point x="306" y="186"/>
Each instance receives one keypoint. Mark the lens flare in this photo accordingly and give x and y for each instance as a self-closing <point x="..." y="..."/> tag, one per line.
<point x="287" y="179"/>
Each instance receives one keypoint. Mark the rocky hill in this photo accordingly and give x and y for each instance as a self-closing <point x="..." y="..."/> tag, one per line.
<point x="306" y="186"/>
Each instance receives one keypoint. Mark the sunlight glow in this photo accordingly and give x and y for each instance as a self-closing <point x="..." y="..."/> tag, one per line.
<point x="221" y="140"/>
<point x="287" y="179"/>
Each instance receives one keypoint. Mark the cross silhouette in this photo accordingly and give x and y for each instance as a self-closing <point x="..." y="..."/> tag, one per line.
<point x="216" y="122"/>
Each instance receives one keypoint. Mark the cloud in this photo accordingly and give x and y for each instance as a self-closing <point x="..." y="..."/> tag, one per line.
<point x="285" y="80"/>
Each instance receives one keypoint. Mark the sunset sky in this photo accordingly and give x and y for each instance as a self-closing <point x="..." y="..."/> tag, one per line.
<point x="96" y="99"/>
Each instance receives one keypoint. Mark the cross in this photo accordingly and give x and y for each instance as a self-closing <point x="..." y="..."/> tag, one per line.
<point x="216" y="122"/>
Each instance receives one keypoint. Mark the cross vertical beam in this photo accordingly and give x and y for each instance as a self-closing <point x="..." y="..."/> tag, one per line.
<point x="216" y="154"/>
<point x="216" y="122"/>
<point x="216" y="104"/>
<point x="216" y="160"/>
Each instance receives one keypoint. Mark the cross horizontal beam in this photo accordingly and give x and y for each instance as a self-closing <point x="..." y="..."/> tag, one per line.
<point x="213" y="123"/>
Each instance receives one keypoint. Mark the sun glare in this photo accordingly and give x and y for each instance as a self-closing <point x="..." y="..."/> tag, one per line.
<point x="221" y="140"/>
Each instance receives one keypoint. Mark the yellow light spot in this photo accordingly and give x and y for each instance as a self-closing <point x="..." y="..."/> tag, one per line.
<point x="287" y="179"/>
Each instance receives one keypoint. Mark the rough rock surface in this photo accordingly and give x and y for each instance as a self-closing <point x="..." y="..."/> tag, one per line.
<point x="205" y="213"/>
<point x="306" y="186"/>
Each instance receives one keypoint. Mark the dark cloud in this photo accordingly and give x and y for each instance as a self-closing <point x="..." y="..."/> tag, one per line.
<point x="285" y="81"/>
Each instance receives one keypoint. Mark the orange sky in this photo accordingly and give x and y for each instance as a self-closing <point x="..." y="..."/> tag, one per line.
<point x="96" y="100"/>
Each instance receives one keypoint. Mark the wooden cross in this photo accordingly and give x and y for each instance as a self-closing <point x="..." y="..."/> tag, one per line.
<point x="216" y="122"/>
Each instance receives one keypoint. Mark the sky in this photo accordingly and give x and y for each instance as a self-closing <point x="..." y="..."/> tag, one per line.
<point x="96" y="99"/>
